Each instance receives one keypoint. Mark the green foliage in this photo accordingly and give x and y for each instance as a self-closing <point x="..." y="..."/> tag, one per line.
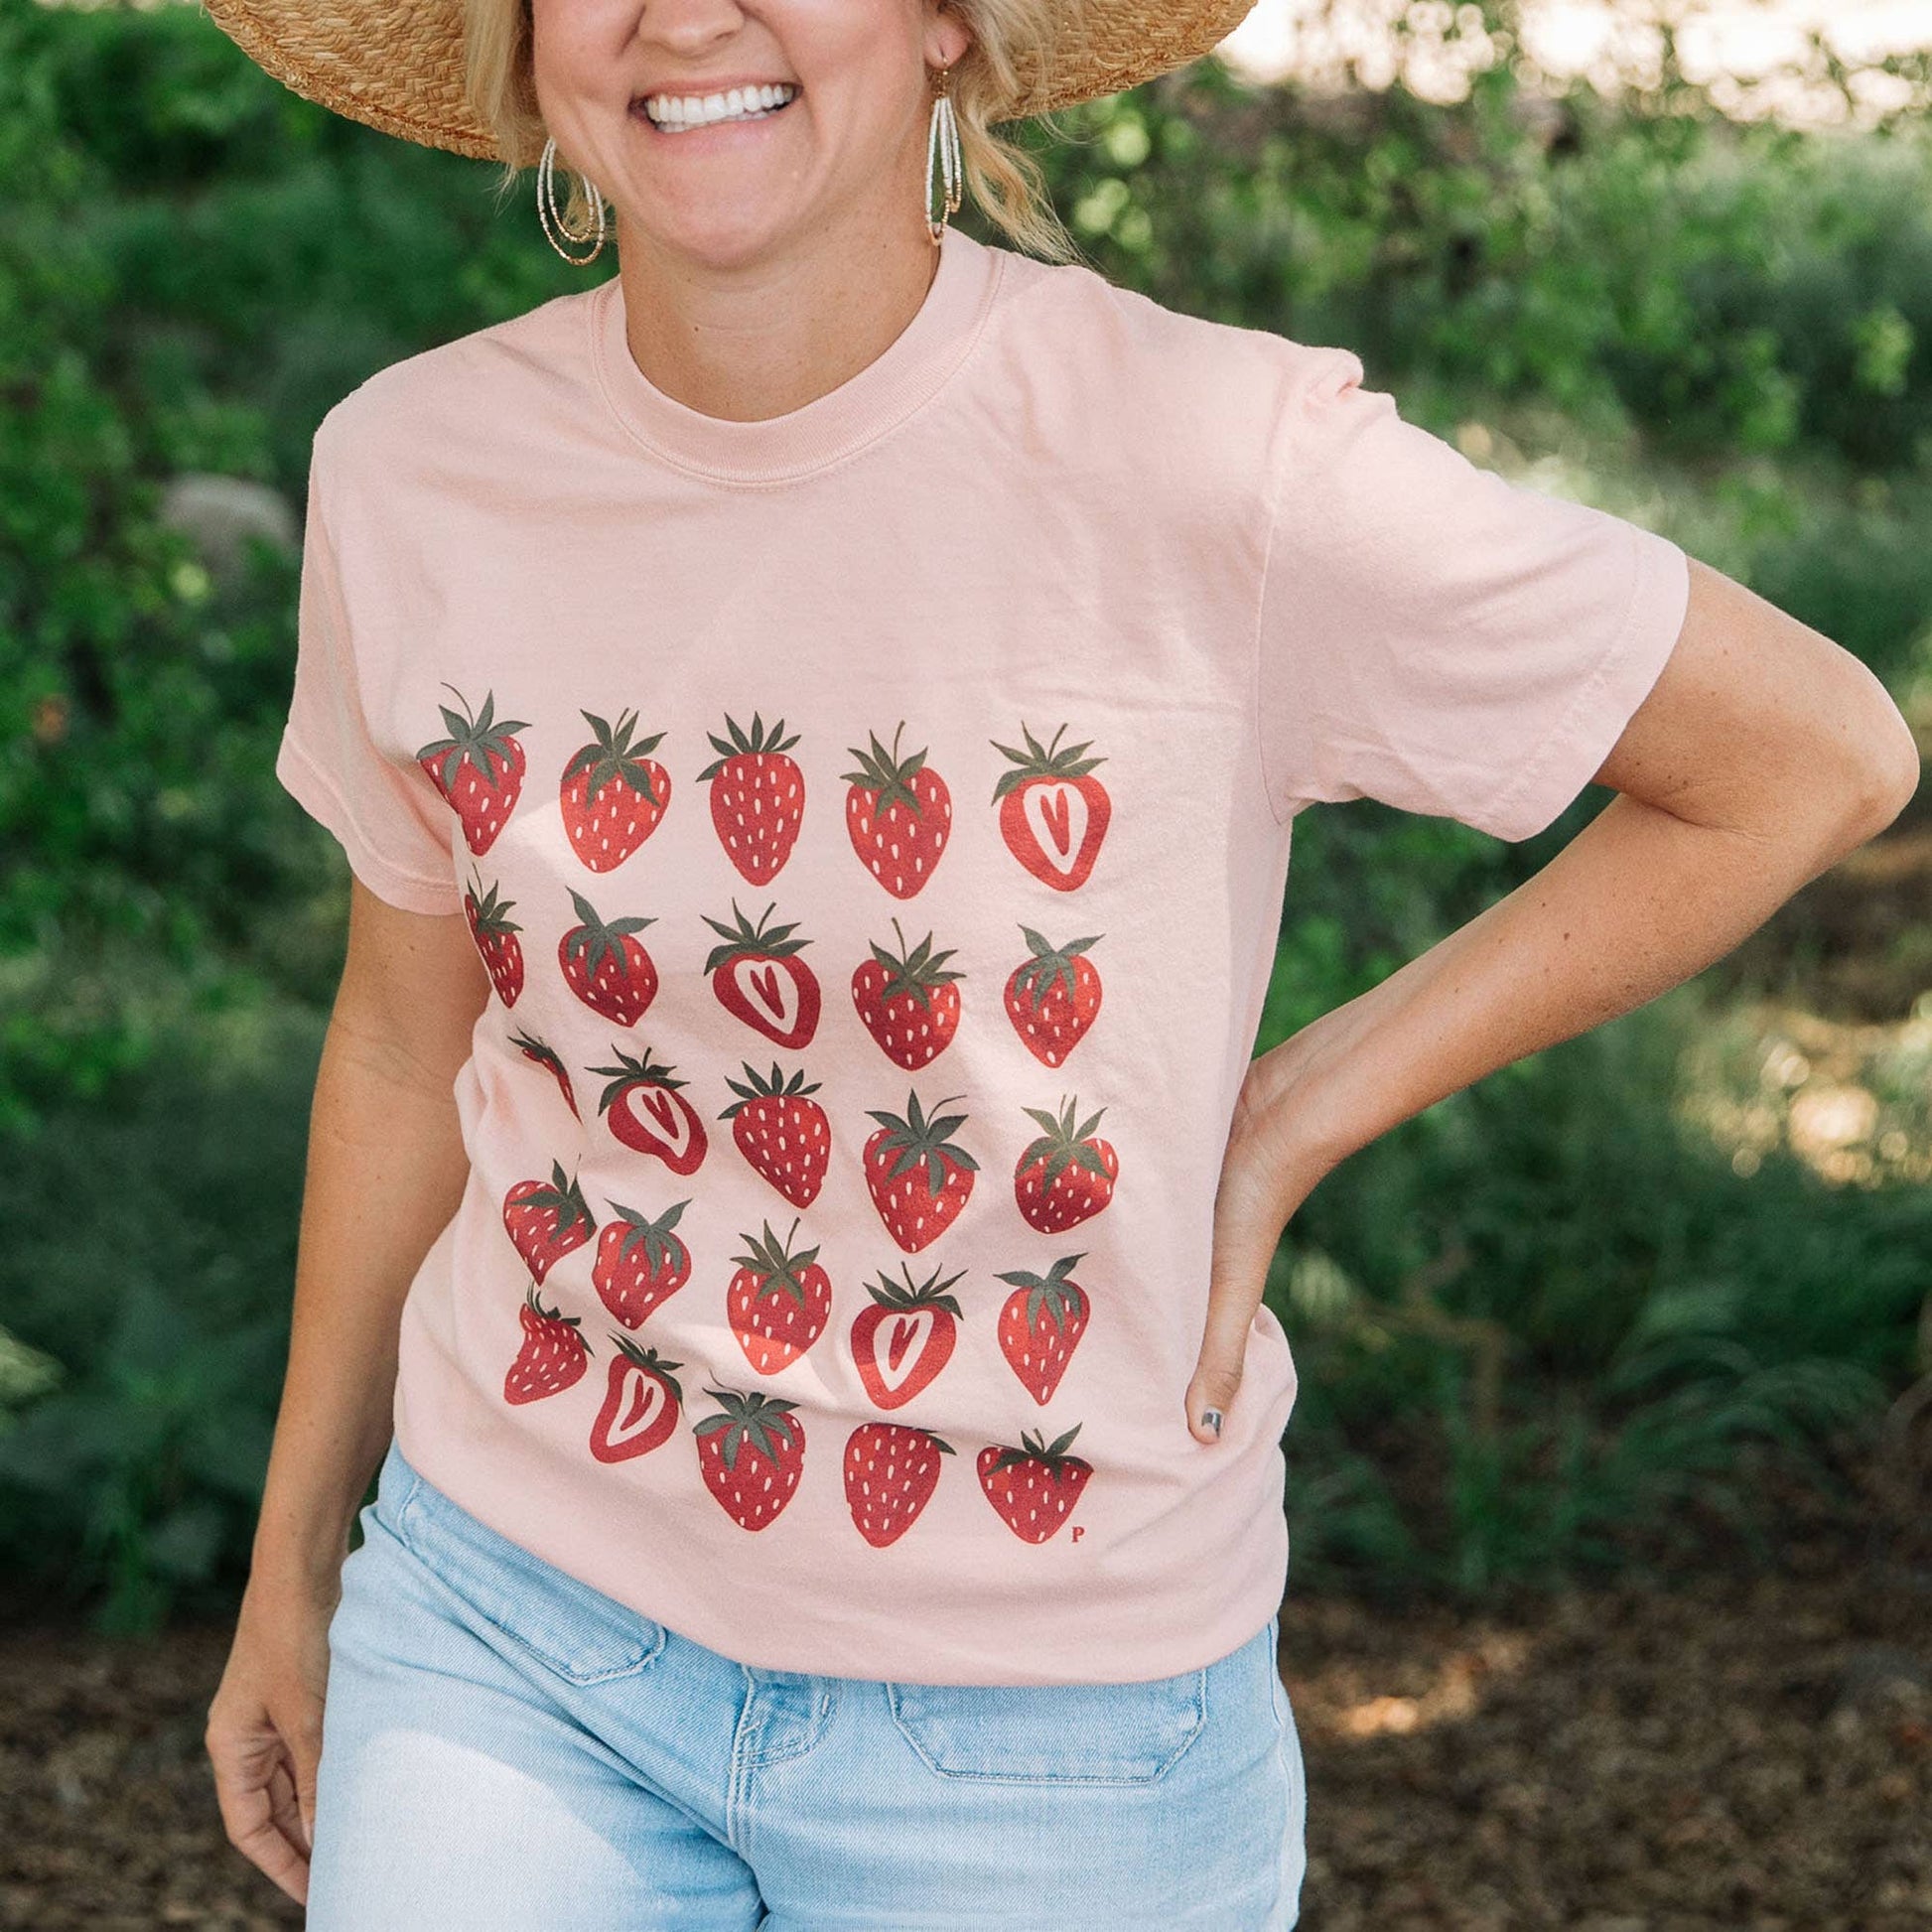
<point x="1722" y="330"/>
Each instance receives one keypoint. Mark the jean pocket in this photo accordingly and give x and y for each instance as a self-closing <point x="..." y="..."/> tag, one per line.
<point x="1052" y="1733"/>
<point x="567" y="1625"/>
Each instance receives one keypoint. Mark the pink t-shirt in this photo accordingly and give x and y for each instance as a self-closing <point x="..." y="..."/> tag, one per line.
<point x="875" y="821"/>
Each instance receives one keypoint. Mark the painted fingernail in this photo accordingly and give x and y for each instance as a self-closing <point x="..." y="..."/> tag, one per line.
<point x="1212" y="1418"/>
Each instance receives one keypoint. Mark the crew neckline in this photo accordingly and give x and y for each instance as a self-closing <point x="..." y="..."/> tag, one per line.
<point x="913" y="365"/>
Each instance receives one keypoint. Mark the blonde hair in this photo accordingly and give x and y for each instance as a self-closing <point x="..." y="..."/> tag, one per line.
<point x="1003" y="179"/>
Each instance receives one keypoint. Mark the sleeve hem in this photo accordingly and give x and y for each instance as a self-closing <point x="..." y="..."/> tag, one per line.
<point x="312" y="789"/>
<point x="1620" y="681"/>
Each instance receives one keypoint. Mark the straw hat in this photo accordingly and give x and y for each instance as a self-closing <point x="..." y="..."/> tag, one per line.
<point x="397" y="64"/>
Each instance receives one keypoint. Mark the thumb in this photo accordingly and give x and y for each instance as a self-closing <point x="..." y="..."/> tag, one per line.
<point x="1223" y="1353"/>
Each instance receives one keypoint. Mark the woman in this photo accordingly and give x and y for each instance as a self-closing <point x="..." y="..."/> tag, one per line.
<point x="816" y="720"/>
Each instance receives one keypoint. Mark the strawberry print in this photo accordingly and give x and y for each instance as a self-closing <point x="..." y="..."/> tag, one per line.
<point x="478" y="768"/>
<point x="750" y="1453"/>
<point x="898" y="812"/>
<point x="546" y="1219"/>
<point x="1039" y="1324"/>
<point x="905" y="1338"/>
<point x="553" y="1354"/>
<point x="1052" y="812"/>
<point x="1035" y="1487"/>
<point x="1064" y="1175"/>
<point x="496" y="935"/>
<point x="639" y="1262"/>
<point x="890" y="1473"/>
<point x="613" y="794"/>
<point x="785" y="1136"/>
<point x="606" y="965"/>
<point x="777" y="1302"/>
<point x="920" y="1179"/>
<point x="641" y="1404"/>
<point x="758" y="796"/>
<point x="647" y="1111"/>
<point x="908" y="1001"/>
<point x="759" y="977"/>
<point x="1053" y="998"/>
<point x="539" y="1054"/>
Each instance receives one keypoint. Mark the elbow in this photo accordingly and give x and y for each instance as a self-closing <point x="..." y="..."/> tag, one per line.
<point x="1890" y="769"/>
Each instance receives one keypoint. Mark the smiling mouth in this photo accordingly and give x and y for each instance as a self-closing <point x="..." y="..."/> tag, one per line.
<point x="680" y="114"/>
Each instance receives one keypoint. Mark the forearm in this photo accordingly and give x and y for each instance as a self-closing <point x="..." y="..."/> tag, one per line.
<point x="386" y="1172"/>
<point x="1637" y="903"/>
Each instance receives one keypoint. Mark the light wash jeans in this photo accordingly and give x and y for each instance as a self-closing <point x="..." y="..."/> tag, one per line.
<point x="506" y="1750"/>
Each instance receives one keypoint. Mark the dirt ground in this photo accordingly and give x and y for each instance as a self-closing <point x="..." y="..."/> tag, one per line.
<point x="1751" y="1753"/>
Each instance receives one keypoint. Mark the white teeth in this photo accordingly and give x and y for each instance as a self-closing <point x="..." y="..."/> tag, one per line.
<point x="672" y="111"/>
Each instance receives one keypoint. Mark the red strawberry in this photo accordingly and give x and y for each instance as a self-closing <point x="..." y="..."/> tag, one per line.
<point x="1041" y="1321"/>
<point x="606" y="964"/>
<point x="639" y="1262"/>
<point x="553" y="1354"/>
<point x="641" y="1404"/>
<point x="1052" y="815"/>
<point x="546" y="1219"/>
<point x="757" y="975"/>
<point x="751" y="1454"/>
<point x="1051" y="1000"/>
<point x="495" y="936"/>
<point x="785" y="1136"/>
<point x="918" y="1178"/>
<point x="759" y="798"/>
<point x="899" y="813"/>
<point x="1033" y="1488"/>
<point x="908" y="1001"/>
<point x="905" y="1338"/>
<point x="613" y="794"/>
<point x="1062" y="1177"/>
<point x="777" y="1302"/>
<point x="478" y="768"/>
<point x="890" y="1471"/>
<point x="646" y="1112"/>
<point x="534" y="1051"/>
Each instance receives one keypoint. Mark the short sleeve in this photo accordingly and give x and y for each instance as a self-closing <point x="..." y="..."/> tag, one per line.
<point x="1435" y="635"/>
<point x="391" y="822"/>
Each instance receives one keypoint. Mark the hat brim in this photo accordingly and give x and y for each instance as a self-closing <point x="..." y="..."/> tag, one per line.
<point x="400" y="67"/>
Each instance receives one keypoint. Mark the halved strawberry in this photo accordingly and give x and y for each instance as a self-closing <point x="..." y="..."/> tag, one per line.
<point x="750" y="1453"/>
<point x="777" y="1302"/>
<point x="641" y="1404"/>
<point x="908" y="1002"/>
<point x="606" y="965"/>
<point x="496" y="935"/>
<point x="1053" y="998"/>
<point x="552" y="1357"/>
<point x="890" y="1471"/>
<point x="1052" y="815"/>
<point x="546" y="1219"/>
<point x="758" y="796"/>
<point x="546" y="1057"/>
<point x="646" y="1112"/>
<point x="785" y="1137"/>
<point x="639" y="1262"/>
<point x="905" y="1338"/>
<point x="478" y="768"/>
<point x="918" y="1178"/>
<point x="611" y="794"/>
<point x="757" y="975"/>
<point x="1039" y="1324"/>
<point x="1063" y="1175"/>
<point x="1033" y="1488"/>
<point x="899" y="813"/>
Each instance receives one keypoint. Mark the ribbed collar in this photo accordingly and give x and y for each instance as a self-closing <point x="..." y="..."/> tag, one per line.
<point x="864" y="407"/>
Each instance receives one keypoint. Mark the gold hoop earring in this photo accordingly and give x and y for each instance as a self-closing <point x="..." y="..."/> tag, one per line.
<point x="551" y="217"/>
<point x="942" y="148"/>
